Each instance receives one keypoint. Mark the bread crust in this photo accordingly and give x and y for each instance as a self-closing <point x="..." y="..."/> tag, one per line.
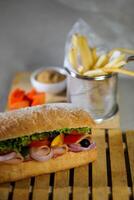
<point x="28" y="121"/>
<point x="33" y="168"/>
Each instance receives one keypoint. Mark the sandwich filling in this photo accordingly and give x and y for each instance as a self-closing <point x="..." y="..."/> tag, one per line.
<point x="46" y="145"/>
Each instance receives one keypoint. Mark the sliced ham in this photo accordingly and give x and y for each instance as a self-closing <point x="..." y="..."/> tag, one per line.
<point x="41" y="154"/>
<point x="83" y="137"/>
<point x="78" y="147"/>
<point x="7" y="156"/>
<point x="58" y="151"/>
<point x="17" y="159"/>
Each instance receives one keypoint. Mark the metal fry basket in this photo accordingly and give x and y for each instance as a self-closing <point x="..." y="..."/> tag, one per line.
<point x="98" y="95"/>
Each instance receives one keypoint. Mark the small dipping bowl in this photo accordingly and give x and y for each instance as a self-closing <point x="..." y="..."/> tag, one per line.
<point x="53" y="88"/>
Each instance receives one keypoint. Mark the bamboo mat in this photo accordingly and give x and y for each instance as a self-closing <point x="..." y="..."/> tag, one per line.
<point x="110" y="177"/>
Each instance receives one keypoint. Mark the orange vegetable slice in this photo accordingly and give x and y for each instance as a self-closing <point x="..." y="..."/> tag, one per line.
<point x="19" y="104"/>
<point x="31" y="94"/>
<point x="16" y="96"/>
<point x="38" y="99"/>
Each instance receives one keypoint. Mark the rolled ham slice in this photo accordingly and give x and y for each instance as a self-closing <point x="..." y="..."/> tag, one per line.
<point x="41" y="154"/>
<point x="78" y="147"/>
<point x="83" y="137"/>
<point x="58" y="151"/>
<point x="17" y="159"/>
<point x="7" y="156"/>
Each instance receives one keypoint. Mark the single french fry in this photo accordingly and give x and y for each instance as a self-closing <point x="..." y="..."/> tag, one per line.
<point x="81" y="69"/>
<point x="124" y="50"/>
<point x="110" y="53"/>
<point x="119" y="70"/>
<point x="94" y="55"/>
<point x="74" y="40"/>
<point x="102" y="60"/>
<point x="115" y="61"/>
<point x="81" y="44"/>
<point x="72" y="56"/>
<point x="96" y="72"/>
<point x="114" y="55"/>
<point x="120" y="64"/>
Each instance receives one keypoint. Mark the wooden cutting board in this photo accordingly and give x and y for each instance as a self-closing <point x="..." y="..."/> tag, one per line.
<point x="22" y="80"/>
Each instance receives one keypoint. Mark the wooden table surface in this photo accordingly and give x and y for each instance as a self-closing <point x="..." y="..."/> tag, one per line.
<point x="111" y="176"/>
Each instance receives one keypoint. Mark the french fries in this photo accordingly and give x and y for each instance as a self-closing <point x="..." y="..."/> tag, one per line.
<point x="120" y="64"/>
<point x="102" y="60"/>
<point x="114" y="62"/>
<point x="94" y="55"/>
<point x="118" y="70"/>
<point x="85" y="60"/>
<point x="96" y="72"/>
<point x="73" y="58"/>
<point x="80" y="43"/>
<point x="123" y="50"/>
<point x="81" y="69"/>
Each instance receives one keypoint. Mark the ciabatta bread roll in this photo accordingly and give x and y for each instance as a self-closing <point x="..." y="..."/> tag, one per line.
<point x="44" y="139"/>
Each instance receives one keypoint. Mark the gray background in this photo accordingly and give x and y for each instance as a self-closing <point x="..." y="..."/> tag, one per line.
<point x="33" y="33"/>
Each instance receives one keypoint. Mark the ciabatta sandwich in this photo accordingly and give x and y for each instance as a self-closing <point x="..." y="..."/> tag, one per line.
<point x="44" y="139"/>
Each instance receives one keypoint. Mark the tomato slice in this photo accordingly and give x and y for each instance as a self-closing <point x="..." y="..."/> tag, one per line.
<point x="72" y="138"/>
<point x="40" y="143"/>
<point x="74" y="132"/>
